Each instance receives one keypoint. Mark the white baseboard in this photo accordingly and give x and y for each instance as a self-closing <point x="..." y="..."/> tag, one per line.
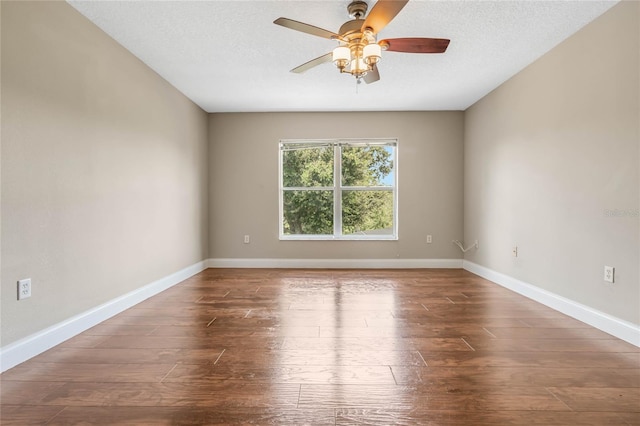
<point x="617" y="327"/>
<point x="336" y="263"/>
<point x="30" y="346"/>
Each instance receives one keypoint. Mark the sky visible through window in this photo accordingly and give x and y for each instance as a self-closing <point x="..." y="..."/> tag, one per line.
<point x="388" y="179"/>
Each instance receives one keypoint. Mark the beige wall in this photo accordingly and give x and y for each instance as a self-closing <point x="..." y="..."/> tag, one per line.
<point x="547" y="153"/>
<point x="243" y="151"/>
<point x="104" y="169"/>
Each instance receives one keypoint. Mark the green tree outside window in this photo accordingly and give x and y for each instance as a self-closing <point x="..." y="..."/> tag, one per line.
<point x="338" y="188"/>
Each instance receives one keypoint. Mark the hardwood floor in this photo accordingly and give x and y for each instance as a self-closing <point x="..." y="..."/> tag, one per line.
<point x="331" y="347"/>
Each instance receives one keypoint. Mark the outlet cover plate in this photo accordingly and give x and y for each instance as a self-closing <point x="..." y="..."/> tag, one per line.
<point x="609" y="272"/>
<point x="24" y="288"/>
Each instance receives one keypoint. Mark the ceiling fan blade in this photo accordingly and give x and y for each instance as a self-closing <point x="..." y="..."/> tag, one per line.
<point x="306" y="28"/>
<point x="312" y="63"/>
<point x="372" y="76"/>
<point x="382" y="13"/>
<point x="415" y="45"/>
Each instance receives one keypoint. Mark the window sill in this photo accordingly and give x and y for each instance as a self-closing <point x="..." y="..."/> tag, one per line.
<point x="338" y="238"/>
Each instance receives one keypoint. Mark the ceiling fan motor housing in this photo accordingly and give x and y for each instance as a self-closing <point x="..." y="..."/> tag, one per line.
<point x="351" y="29"/>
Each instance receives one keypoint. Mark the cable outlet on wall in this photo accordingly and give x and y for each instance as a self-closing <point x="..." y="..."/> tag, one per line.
<point x="429" y="239"/>
<point x="24" y="288"/>
<point x="247" y="239"/>
<point x="609" y="272"/>
<point x="515" y="251"/>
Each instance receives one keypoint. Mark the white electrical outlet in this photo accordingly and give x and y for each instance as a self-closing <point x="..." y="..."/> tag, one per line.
<point x="24" y="288"/>
<point x="247" y="239"/>
<point x="429" y="239"/>
<point x="609" y="274"/>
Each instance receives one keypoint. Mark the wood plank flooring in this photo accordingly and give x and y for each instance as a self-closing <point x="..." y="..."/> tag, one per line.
<point x="331" y="347"/>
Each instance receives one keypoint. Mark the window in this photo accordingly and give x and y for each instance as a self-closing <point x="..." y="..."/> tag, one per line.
<point x="338" y="189"/>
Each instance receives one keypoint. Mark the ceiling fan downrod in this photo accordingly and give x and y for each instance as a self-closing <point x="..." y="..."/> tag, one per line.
<point x="357" y="9"/>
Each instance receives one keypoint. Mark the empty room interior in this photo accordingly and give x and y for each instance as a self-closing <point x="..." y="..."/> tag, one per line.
<point x="436" y="221"/>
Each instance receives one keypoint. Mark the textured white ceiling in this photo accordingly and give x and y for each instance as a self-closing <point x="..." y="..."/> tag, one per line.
<point x="228" y="56"/>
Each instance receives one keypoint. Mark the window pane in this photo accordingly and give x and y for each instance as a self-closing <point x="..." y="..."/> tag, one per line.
<point x="305" y="165"/>
<point x="367" y="165"/>
<point x="308" y="212"/>
<point x="367" y="212"/>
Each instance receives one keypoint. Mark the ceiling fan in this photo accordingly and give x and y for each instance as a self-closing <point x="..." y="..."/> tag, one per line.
<point x="358" y="51"/>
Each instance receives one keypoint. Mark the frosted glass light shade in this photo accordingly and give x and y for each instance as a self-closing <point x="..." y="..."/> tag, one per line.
<point x="358" y="66"/>
<point x="372" y="53"/>
<point x="342" y="55"/>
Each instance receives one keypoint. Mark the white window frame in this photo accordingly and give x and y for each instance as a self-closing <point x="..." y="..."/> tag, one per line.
<point x="338" y="188"/>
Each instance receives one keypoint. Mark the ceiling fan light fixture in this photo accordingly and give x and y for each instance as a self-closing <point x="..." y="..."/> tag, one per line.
<point x="372" y="53"/>
<point x="341" y="56"/>
<point x="359" y="67"/>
